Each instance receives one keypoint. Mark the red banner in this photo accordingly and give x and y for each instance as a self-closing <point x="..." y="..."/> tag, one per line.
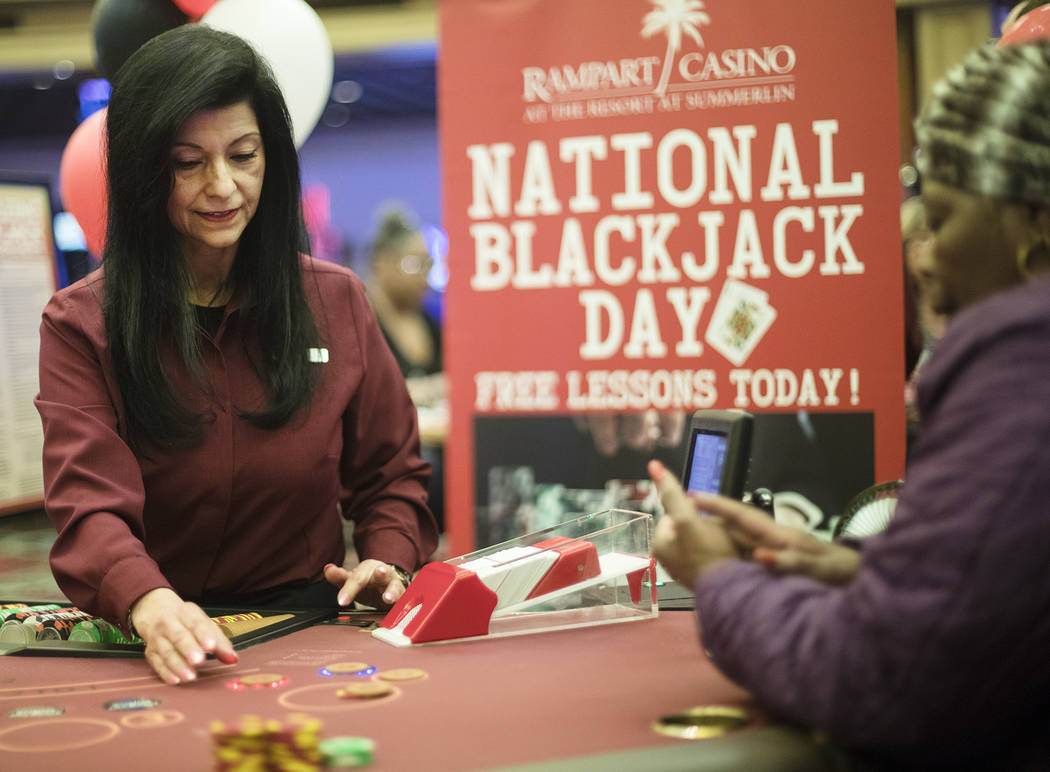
<point x="668" y="205"/>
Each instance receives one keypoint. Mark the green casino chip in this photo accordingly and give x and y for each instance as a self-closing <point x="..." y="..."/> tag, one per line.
<point x="347" y="751"/>
<point x="98" y="631"/>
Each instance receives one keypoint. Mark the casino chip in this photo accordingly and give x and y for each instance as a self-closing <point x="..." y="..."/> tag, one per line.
<point x="344" y="668"/>
<point x="257" y="681"/>
<point x="402" y="674"/>
<point x="267" y="745"/>
<point x="347" y="752"/>
<point x="364" y="690"/>
<point x="261" y="678"/>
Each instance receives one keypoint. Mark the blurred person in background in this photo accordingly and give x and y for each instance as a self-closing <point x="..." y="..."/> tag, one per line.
<point x="925" y="325"/>
<point x="400" y="265"/>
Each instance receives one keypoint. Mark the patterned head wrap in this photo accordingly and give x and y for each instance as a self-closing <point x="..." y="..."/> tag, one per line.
<point x="986" y="128"/>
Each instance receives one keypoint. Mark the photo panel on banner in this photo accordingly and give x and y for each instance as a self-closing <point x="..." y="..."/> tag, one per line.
<point x="657" y="207"/>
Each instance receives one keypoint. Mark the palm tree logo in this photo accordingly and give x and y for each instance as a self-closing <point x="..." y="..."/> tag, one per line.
<point x="674" y="17"/>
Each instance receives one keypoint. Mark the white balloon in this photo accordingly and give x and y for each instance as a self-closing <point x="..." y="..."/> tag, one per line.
<point x="292" y="38"/>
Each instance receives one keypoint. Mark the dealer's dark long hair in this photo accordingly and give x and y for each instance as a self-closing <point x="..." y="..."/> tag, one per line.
<point x="147" y="281"/>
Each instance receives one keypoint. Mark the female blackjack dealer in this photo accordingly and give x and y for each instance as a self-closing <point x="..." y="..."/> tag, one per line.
<point x="215" y="402"/>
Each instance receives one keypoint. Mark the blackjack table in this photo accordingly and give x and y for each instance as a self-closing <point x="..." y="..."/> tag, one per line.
<point x="606" y="697"/>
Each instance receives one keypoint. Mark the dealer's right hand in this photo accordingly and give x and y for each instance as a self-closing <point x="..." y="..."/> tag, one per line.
<point x="178" y="635"/>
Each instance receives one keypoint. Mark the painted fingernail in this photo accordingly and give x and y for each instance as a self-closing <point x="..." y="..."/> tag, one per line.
<point x="764" y="555"/>
<point x="656" y="471"/>
<point x="188" y="675"/>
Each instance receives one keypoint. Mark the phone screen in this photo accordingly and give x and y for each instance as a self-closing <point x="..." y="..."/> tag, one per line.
<point x="707" y="461"/>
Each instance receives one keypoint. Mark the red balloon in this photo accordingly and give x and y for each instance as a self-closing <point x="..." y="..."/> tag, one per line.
<point x="82" y="179"/>
<point x="194" y="8"/>
<point x="1034" y="25"/>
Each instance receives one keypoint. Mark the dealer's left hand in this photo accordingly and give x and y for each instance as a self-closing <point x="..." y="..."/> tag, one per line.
<point x="370" y="582"/>
<point x="685" y="543"/>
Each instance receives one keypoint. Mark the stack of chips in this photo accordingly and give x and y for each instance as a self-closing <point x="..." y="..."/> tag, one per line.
<point x="24" y="624"/>
<point x="267" y="746"/>
<point x="37" y="624"/>
<point x="99" y="631"/>
<point x="9" y="610"/>
<point x="347" y="752"/>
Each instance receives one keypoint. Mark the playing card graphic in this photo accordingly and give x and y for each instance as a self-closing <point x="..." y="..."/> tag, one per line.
<point x="741" y="317"/>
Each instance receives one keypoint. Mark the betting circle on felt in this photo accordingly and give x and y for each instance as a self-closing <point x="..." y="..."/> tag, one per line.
<point x="325" y="697"/>
<point x="152" y="719"/>
<point x="57" y="734"/>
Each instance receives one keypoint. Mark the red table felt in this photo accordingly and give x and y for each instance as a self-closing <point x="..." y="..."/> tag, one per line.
<point x="482" y="704"/>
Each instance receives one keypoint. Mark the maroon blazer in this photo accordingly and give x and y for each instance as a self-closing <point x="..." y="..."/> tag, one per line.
<point x="248" y="509"/>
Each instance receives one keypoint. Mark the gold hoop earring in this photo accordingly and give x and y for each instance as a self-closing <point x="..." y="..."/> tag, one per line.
<point x="1024" y="256"/>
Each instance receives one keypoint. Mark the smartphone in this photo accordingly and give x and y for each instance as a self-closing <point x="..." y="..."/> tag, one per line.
<point x="719" y="452"/>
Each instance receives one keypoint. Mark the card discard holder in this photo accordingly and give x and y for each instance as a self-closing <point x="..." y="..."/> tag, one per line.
<point x="594" y="570"/>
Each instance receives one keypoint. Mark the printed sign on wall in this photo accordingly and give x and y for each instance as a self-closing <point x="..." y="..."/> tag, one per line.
<point x="658" y="206"/>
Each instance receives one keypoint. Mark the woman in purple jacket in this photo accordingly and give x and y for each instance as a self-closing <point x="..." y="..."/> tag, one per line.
<point x="925" y="645"/>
